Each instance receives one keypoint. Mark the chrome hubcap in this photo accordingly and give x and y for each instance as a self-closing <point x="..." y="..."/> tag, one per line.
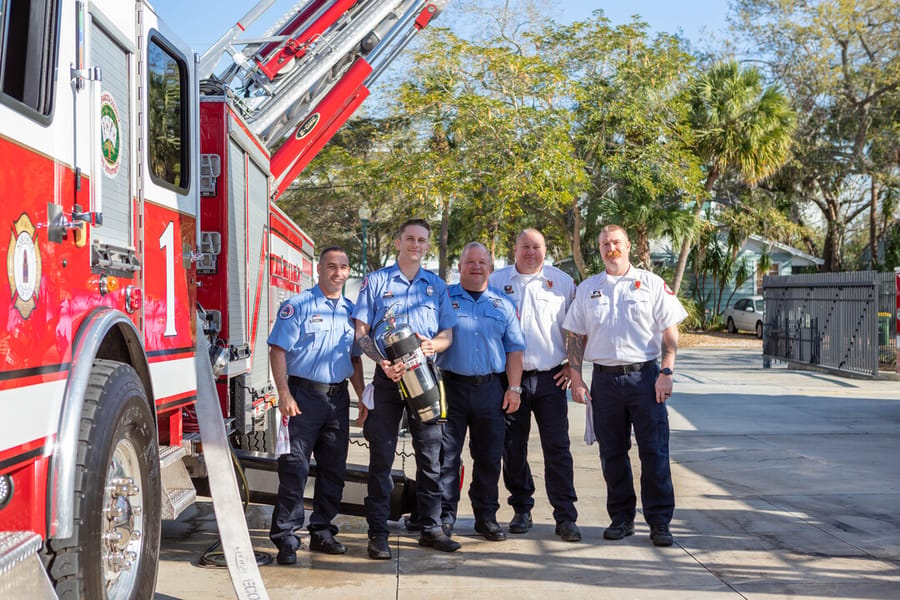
<point x="122" y="521"/>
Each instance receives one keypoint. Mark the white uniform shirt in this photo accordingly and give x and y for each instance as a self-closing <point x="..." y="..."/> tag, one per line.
<point x="623" y="316"/>
<point x="541" y="301"/>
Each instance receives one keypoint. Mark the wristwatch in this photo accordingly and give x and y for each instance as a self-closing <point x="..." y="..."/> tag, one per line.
<point x="516" y="388"/>
<point x="666" y="371"/>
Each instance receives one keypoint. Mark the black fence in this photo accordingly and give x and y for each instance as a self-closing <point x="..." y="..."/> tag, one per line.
<point x="845" y="322"/>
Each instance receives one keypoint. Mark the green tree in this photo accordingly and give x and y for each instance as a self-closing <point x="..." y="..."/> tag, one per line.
<point x="356" y="167"/>
<point x="505" y="153"/>
<point x="630" y="130"/>
<point x="838" y="60"/>
<point x="740" y="124"/>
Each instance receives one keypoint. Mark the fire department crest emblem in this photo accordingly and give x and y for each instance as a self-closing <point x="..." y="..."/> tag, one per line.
<point x="23" y="265"/>
<point x="110" y="134"/>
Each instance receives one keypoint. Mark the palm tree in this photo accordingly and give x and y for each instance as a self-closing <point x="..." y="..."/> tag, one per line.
<point x="737" y="124"/>
<point x="645" y="219"/>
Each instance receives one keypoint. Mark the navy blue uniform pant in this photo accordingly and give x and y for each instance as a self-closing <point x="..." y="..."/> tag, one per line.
<point x="380" y="430"/>
<point x="322" y="430"/>
<point x="620" y="401"/>
<point x="478" y="407"/>
<point x="549" y="404"/>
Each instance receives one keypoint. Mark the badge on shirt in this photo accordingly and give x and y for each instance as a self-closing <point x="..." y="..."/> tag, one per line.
<point x="496" y="302"/>
<point x="286" y="312"/>
<point x="596" y="294"/>
<point x="508" y="289"/>
<point x="454" y="305"/>
<point x="429" y="290"/>
<point x="388" y="294"/>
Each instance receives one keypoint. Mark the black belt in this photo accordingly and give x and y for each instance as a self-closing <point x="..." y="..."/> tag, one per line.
<point x="329" y="389"/>
<point x="470" y="379"/>
<point x="624" y="369"/>
<point x="536" y="372"/>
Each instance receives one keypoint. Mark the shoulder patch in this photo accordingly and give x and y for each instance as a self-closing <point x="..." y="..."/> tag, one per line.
<point x="287" y="311"/>
<point x="668" y="289"/>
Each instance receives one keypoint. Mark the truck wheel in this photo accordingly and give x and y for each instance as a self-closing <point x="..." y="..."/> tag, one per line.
<point x="114" y="551"/>
<point x="258" y="441"/>
<point x="730" y="326"/>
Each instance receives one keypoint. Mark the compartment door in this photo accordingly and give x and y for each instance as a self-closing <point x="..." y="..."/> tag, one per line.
<point x="113" y="54"/>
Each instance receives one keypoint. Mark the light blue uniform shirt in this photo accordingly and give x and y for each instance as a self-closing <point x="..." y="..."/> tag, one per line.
<point x="316" y="335"/>
<point x="485" y="331"/>
<point x="422" y="303"/>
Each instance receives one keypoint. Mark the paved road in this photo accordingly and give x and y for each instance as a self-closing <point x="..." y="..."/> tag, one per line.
<point x="787" y="486"/>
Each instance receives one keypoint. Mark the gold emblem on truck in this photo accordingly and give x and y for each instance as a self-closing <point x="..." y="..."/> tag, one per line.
<point x="23" y="265"/>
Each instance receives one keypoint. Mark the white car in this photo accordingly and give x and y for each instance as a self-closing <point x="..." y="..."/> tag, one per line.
<point x="747" y="314"/>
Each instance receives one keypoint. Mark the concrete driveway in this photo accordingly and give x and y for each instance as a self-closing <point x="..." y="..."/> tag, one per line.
<point x="787" y="485"/>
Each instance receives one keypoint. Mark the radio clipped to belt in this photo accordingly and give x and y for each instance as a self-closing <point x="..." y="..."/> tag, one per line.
<point x="421" y="385"/>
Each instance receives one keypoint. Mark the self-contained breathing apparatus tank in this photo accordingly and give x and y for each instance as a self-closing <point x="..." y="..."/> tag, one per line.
<point x="421" y="385"/>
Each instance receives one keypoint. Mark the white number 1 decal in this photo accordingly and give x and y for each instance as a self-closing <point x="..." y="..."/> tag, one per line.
<point x="167" y="241"/>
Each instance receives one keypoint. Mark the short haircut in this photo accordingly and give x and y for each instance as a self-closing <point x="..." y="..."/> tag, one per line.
<point x="332" y="249"/>
<point x="471" y="245"/>
<point x="611" y="228"/>
<point x="529" y="231"/>
<point x="413" y="223"/>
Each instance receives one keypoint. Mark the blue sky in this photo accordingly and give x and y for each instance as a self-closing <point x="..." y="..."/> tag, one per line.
<point x="201" y="22"/>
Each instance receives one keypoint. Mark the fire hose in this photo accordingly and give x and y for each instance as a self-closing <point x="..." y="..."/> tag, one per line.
<point x="232" y="523"/>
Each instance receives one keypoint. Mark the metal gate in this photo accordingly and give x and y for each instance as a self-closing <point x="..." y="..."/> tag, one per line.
<point x="844" y="322"/>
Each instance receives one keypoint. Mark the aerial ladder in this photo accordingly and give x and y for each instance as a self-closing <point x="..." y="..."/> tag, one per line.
<point x="302" y="79"/>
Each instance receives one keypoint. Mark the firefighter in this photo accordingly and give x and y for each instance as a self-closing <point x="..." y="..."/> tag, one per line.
<point x="403" y="293"/>
<point x="312" y="355"/>
<point x="624" y="320"/>
<point x="487" y="342"/>
<point x="542" y="295"/>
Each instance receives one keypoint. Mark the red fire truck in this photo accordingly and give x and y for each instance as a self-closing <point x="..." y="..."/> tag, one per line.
<point x="137" y="184"/>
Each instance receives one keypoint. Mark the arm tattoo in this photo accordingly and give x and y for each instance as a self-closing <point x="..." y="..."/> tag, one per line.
<point x="575" y="349"/>
<point x="367" y="345"/>
<point x="669" y="346"/>
<point x="668" y="351"/>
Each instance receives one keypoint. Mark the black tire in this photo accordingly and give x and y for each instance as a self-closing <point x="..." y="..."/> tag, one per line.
<point x="117" y="442"/>
<point x="258" y="441"/>
<point x="759" y="329"/>
<point x="730" y="326"/>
